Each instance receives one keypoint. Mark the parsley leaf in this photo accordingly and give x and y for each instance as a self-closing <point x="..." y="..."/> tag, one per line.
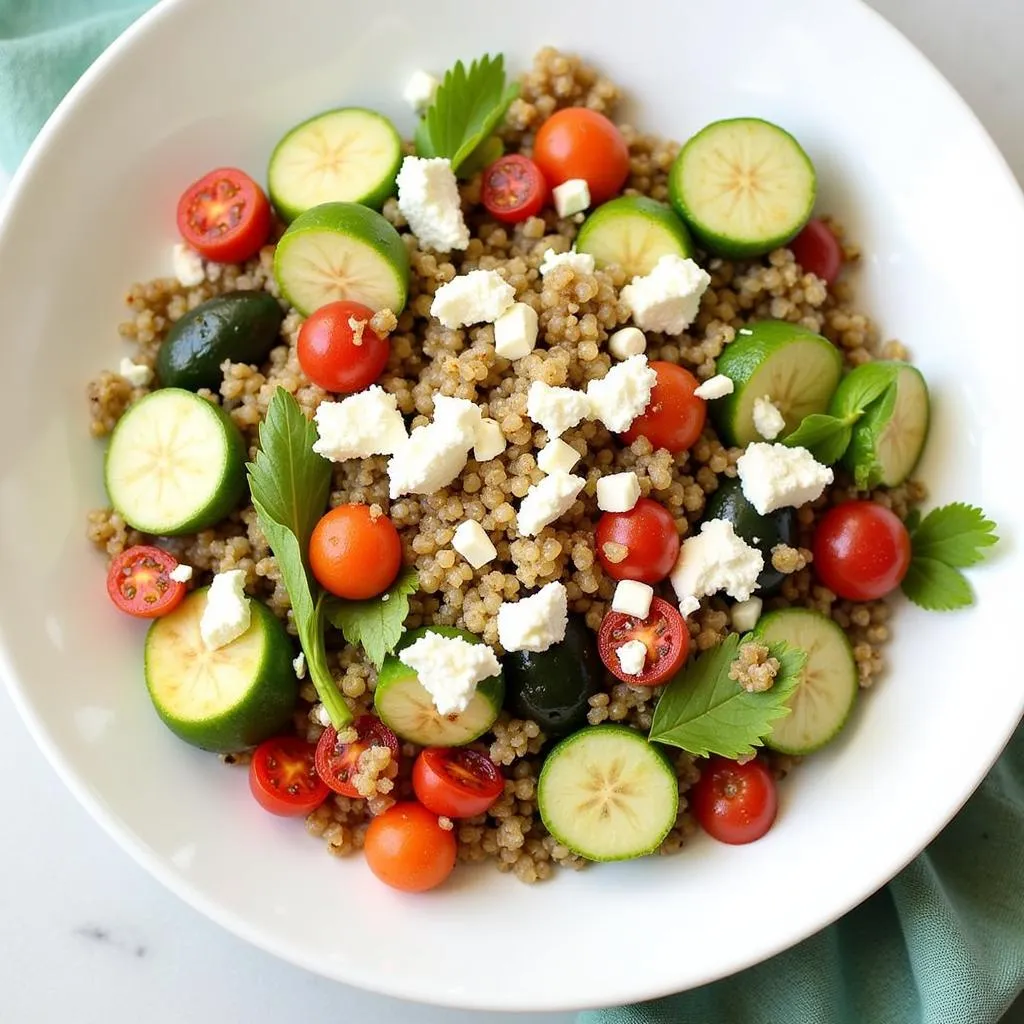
<point x="376" y="623"/>
<point x="825" y="437"/>
<point x="936" y="586"/>
<point x="704" y="712"/>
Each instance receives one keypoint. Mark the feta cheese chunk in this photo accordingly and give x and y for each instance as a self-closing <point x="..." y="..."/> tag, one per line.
<point x="572" y="196"/>
<point x="688" y="605"/>
<point x="449" y="669"/>
<point x="626" y="342"/>
<point x="137" y="374"/>
<point x="633" y="598"/>
<point x="420" y="90"/>
<point x="181" y="573"/>
<point x="547" y="501"/>
<point x="556" y="409"/>
<point x="768" y="421"/>
<point x="428" y="196"/>
<point x="557" y="456"/>
<point x="489" y="441"/>
<point x="776" y="476"/>
<point x="632" y="655"/>
<point x="618" y="492"/>
<point x="746" y="613"/>
<point x="471" y="541"/>
<point x="580" y="262"/>
<point x="668" y="298"/>
<point x="480" y="296"/>
<point x="622" y="394"/>
<point x="459" y="416"/>
<point x="432" y="456"/>
<point x="227" y="613"/>
<point x="715" y="387"/>
<point x="361" y="425"/>
<point x="299" y="667"/>
<point x="716" y="559"/>
<point x="188" y="266"/>
<point x="515" y="331"/>
<point x="534" y="623"/>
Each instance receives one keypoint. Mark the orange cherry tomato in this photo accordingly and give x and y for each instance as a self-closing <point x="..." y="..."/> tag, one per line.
<point x="407" y="849"/>
<point x="354" y="553"/>
<point x="581" y="143"/>
<point x="675" y="416"/>
<point x="225" y="216"/>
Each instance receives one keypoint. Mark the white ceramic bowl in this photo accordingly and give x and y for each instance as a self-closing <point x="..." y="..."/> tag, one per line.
<point x="195" y="84"/>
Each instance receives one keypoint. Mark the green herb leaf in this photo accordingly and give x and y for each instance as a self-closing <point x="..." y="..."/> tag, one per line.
<point x="863" y="385"/>
<point x="376" y="623"/>
<point x="825" y="437"/>
<point x="704" y="712"/>
<point x="956" y="534"/>
<point x="867" y="472"/>
<point x="913" y="520"/>
<point x="937" y="587"/>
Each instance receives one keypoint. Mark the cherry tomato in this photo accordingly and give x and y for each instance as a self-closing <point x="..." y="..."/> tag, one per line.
<point x="140" y="584"/>
<point x="818" y="251"/>
<point x="407" y="849"/>
<point x="675" y="417"/>
<point x="734" y="803"/>
<point x="455" y="781"/>
<point x="663" y="633"/>
<point x="513" y="189"/>
<point x="861" y="550"/>
<point x="283" y="778"/>
<point x="354" y="553"/>
<point x="644" y="542"/>
<point x="225" y="216"/>
<point x="337" y="349"/>
<point x="581" y="143"/>
<point x="336" y="762"/>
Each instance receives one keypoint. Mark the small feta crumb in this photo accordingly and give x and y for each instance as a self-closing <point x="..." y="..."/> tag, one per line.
<point x="688" y="605"/>
<point x="322" y="715"/>
<point x="622" y="394"/>
<point x="471" y="541"/>
<point x="436" y="453"/>
<point x="137" y="374"/>
<point x="626" y="342"/>
<point x="715" y="387"/>
<point x="632" y="656"/>
<point x="385" y="597"/>
<point x="188" y="266"/>
<point x="572" y="196"/>
<point x="299" y="666"/>
<point x="515" y="331"/>
<point x="768" y="421"/>
<point x="547" y="501"/>
<point x="428" y="196"/>
<point x="716" y="559"/>
<point x="489" y="442"/>
<point x="557" y="456"/>
<point x="556" y="409"/>
<point x="181" y="573"/>
<point x="618" y="492"/>
<point x="746" y="613"/>
<point x="668" y="298"/>
<point x="534" y="623"/>
<point x="580" y="262"/>
<point x="777" y="476"/>
<point x="227" y="613"/>
<point x="480" y="296"/>
<point x="449" y="669"/>
<point x="459" y="416"/>
<point x="420" y="90"/>
<point x="361" y="425"/>
<point x="633" y="598"/>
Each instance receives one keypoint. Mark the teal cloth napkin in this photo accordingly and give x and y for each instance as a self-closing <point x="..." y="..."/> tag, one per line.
<point x="943" y="943"/>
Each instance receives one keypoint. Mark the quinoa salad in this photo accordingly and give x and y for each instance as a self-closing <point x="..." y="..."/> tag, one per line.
<point x="530" y="490"/>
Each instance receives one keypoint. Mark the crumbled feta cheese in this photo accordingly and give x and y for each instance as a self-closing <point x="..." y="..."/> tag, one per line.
<point x="419" y="91"/>
<point x="181" y="573"/>
<point x="431" y="458"/>
<point x="716" y="559"/>
<point x="480" y="296"/>
<point x="137" y="374"/>
<point x="668" y="298"/>
<point x="580" y="262"/>
<point x="428" y="196"/>
<point x="449" y="669"/>
<point x="227" y="613"/>
<point x="688" y="605"/>
<point x="471" y="541"/>
<point x="632" y="598"/>
<point x="768" y="421"/>
<point x="715" y="387"/>
<point x="632" y="655"/>
<point x="556" y="409"/>
<point x="322" y="716"/>
<point x="626" y="342"/>
<point x="776" y="476"/>
<point x="534" y="623"/>
<point x="622" y="394"/>
<point x="459" y="416"/>
<point x="361" y="425"/>
<point x="546" y="501"/>
<point x="557" y="456"/>
<point x="515" y="331"/>
<point x="572" y="196"/>
<point x="746" y="613"/>
<point x="618" y="492"/>
<point x="299" y="667"/>
<point x="188" y="266"/>
<point x="489" y="442"/>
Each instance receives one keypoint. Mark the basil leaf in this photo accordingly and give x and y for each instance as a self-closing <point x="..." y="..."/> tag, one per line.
<point x="825" y="437"/>
<point x="863" y="385"/>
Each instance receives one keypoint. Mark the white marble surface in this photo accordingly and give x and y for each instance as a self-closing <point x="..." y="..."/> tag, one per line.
<point x="86" y="935"/>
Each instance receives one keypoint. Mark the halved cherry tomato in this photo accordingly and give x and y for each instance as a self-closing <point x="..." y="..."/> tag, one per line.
<point x="225" y="216"/>
<point x="861" y="550"/>
<point x="513" y="188"/>
<point x="336" y="762"/>
<point x="641" y="544"/>
<point x="675" y="416"/>
<point x="407" y="849"/>
<point x="818" y="251"/>
<point x="355" y="553"/>
<point x="139" y="582"/>
<point x="283" y="778"/>
<point x="581" y="143"/>
<point x="456" y="781"/>
<point x="663" y="633"/>
<point x="734" y="803"/>
<point x="338" y="351"/>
